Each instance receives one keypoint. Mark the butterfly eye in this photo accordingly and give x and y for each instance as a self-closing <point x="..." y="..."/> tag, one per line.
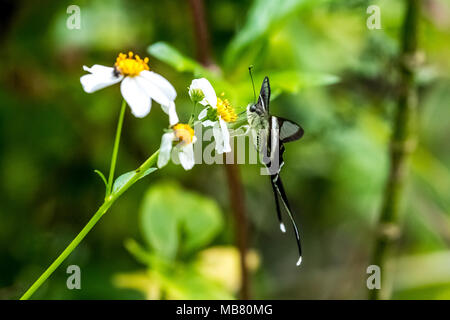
<point x="252" y="108"/>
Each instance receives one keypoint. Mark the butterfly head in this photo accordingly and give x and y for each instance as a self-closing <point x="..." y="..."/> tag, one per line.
<point x="253" y="115"/>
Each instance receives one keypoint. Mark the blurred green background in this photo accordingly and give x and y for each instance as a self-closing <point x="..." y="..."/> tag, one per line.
<point x="332" y="75"/>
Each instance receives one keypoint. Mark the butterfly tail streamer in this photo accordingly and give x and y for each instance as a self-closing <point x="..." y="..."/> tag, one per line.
<point x="280" y="188"/>
<point x="277" y="204"/>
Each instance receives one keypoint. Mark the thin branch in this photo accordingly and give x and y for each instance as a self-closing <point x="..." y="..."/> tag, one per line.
<point x="202" y="39"/>
<point x="237" y="199"/>
<point x="403" y="142"/>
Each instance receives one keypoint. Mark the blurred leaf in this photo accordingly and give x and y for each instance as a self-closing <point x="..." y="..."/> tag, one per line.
<point x="141" y="281"/>
<point x="202" y="220"/>
<point x="435" y="174"/>
<point x="168" y="210"/>
<point x="188" y="284"/>
<point x="422" y="270"/>
<point x="293" y="81"/>
<point x="289" y="81"/>
<point x="138" y="252"/>
<point x="124" y="178"/>
<point x="184" y="284"/>
<point x="262" y="17"/>
<point x="283" y="81"/>
<point x="222" y="264"/>
<point x="121" y="31"/>
<point x="159" y="219"/>
<point x="175" y="59"/>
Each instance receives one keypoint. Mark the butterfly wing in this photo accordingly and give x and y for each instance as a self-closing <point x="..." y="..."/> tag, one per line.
<point x="281" y="131"/>
<point x="289" y="130"/>
<point x="278" y="186"/>
<point x="258" y="116"/>
<point x="262" y="106"/>
<point x="264" y="94"/>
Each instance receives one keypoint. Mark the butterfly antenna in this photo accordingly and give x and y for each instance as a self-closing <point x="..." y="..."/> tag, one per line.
<point x="253" y="83"/>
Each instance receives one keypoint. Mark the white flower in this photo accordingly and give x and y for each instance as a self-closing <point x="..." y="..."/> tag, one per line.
<point x="139" y="85"/>
<point x="220" y="133"/>
<point x="202" y="88"/>
<point x="222" y="113"/>
<point x="184" y="150"/>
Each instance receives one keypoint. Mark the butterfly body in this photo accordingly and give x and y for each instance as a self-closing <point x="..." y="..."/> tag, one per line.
<point x="269" y="134"/>
<point x="260" y="127"/>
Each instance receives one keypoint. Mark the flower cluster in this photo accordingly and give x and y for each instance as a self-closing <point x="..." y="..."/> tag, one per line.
<point x="139" y="86"/>
<point x="216" y="114"/>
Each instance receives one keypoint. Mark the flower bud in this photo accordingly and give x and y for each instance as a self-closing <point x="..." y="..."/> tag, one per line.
<point x="196" y="95"/>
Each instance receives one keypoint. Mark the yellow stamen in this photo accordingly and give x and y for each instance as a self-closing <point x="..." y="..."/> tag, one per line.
<point x="183" y="132"/>
<point x="131" y="64"/>
<point x="225" y="110"/>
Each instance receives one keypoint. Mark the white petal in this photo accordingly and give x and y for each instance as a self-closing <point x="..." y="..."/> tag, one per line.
<point x="217" y="133"/>
<point x="153" y="90"/>
<point x="165" y="149"/>
<point x="172" y="112"/>
<point x="225" y="135"/>
<point x="161" y="82"/>
<point x="186" y="156"/>
<point x="138" y="100"/>
<point x="99" y="78"/>
<point x="203" y="114"/>
<point x="207" y="89"/>
<point x="98" y="68"/>
<point x="209" y="123"/>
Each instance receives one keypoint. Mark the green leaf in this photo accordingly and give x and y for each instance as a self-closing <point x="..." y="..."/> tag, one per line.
<point x="189" y="285"/>
<point x="138" y="252"/>
<point x="262" y="17"/>
<point x="435" y="175"/>
<point x="202" y="220"/>
<point x="101" y="176"/>
<point x="159" y="219"/>
<point x="175" y="59"/>
<point x="285" y="81"/>
<point x="124" y="178"/>
<point x="291" y="81"/>
<point x="168" y="211"/>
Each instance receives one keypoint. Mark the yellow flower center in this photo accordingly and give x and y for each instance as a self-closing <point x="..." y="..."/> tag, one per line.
<point x="183" y="132"/>
<point x="131" y="64"/>
<point x="225" y="110"/>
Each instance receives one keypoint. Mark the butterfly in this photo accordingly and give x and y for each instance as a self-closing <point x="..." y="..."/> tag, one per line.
<point x="269" y="134"/>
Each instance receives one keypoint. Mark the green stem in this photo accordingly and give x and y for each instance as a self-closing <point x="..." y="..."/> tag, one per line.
<point x="403" y="142"/>
<point x="139" y="172"/>
<point x="116" y="148"/>
<point x="192" y="117"/>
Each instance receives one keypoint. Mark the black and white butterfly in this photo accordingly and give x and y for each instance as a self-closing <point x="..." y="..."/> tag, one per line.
<point x="269" y="135"/>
